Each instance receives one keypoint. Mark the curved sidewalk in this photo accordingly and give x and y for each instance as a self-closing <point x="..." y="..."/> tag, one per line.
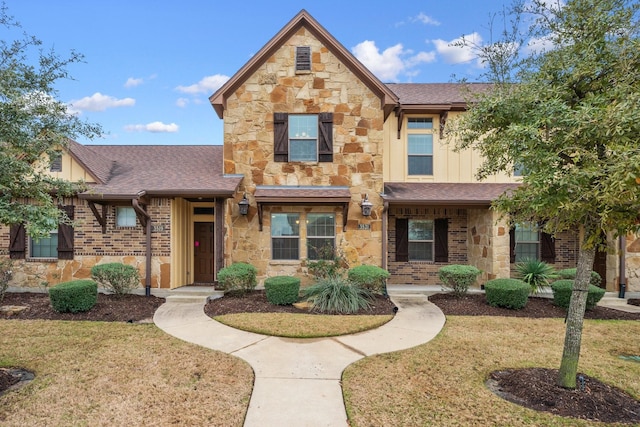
<point x="297" y="381"/>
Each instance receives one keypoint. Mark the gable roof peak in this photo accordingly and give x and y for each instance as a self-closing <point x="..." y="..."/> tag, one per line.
<point x="303" y="19"/>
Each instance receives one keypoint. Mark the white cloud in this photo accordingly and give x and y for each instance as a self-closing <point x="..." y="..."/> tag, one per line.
<point x="388" y="64"/>
<point x="99" y="102"/>
<point x="133" y="82"/>
<point x="425" y="19"/>
<point x="539" y="45"/>
<point x="153" y="127"/>
<point x="182" y="102"/>
<point x="206" y="85"/>
<point x="455" y="51"/>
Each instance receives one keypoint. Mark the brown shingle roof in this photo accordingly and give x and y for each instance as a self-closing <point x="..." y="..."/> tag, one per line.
<point x="172" y="170"/>
<point x="301" y="194"/>
<point x="97" y="165"/>
<point x="436" y="93"/>
<point x="453" y="194"/>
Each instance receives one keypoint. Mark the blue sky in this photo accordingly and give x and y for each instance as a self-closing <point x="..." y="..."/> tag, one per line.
<point x="150" y="66"/>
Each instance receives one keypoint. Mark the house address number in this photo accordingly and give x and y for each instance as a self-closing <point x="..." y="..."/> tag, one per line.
<point x="364" y="226"/>
<point x="157" y="228"/>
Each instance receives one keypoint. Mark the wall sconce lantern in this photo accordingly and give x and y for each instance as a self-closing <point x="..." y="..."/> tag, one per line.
<point x="243" y="205"/>
<point x="366" y="206"/>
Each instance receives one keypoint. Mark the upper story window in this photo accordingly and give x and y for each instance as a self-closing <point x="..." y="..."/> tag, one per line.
<point x="303" y="137"/>
<point x="420" y="145"/>
<point x="56" y="162"/>
<point x="125" y="216"/>
<point x="303" y="58"/>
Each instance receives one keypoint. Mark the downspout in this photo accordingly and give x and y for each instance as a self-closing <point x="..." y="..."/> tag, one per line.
<point x="622" y="280"/>
<point x="147" y="280"/>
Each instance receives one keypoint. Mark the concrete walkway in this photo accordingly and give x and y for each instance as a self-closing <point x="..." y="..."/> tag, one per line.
<point x="297" y="381"/>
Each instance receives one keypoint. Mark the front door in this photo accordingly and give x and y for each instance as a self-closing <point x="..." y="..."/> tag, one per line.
<point x="203" y="252"/>
<point x="600" y="267"/>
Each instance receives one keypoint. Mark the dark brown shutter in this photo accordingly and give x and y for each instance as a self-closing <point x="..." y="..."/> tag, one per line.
<point x="402" y="240"/>
<point x="17" y="241"/>
<point x="547" y="248"/>
<point x="280" y="137"/>
<point x="325" y="137"/>
<point x="441" y="237"/>
<point x="512" y="245"/>
<point x="65" y="235"/>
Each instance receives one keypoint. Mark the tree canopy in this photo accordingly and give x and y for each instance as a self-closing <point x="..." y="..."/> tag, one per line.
<point x="34" y="126"/>
<point x="568" y="118"/>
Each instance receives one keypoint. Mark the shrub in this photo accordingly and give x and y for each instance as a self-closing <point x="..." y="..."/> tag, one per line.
<point x="5" y="276"/>
<point x="74" y="296"/>
<point x="507" y="293"/>
<point x="535" y="273"/>
<point x="562" y="294"/>
<point x="239" y="278"/>
<point x="570" y="273"/>
<point x="337" y="295"/>
<point x="116" y="277"/>
<point x="458" y="278"/>
<point x="370" y="277"/>
<point x="330" y="263"/>
<point x="282" y="290"/>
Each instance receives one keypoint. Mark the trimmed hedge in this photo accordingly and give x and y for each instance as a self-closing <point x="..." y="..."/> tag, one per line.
<point x="74" y="296"/>
<point x="458" y="278"/>
<point x="570" y="273"/>
<point x="369" y="277"/>
<point x="116" y="277"/>
<point x="562" y="294"/>
<point x="507" y="293"/>
<point x="238" y="278"/>
<point x="282" y="290"/>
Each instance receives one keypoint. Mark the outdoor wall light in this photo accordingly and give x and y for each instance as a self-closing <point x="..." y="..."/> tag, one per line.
<point x="243" y="205"/>
<point x="366" y="206"/>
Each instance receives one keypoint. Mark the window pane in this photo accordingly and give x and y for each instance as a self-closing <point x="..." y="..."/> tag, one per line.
<point x="526" y="251"/>
<point x="526" y="233"/>
<point x="303" y="126"/>
<point x="420" y="123"/>
<point x="46" y="247"/>
<point x="320" y="225"/>
<point x="284" y="248"/>
<point x="420" y="165"/>
<point x="420" y="230"/>
<point x="285" y="224"/>
<point x="302" y="150"/>
<point x="421" y="251"/>
<point x="125" y="217"/>
<point x="320" y="248"/>
<point x="421" y="144"/>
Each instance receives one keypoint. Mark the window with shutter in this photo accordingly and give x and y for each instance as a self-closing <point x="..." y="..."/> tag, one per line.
<point x="303" y="58"/>
<point x="526" y="241"/>
<point x="303" y="137"/>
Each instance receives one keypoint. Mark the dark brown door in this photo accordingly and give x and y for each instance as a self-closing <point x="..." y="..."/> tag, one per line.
<point x="600" y="267"/>
<point x="203" y="252"/>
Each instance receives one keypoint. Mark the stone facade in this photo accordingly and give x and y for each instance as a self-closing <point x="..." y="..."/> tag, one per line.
<point x="358" y="120"/>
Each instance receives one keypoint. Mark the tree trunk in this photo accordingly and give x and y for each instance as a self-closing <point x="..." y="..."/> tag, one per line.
<point x="575" y="319"/>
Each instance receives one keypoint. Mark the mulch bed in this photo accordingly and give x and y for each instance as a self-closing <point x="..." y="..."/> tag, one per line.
<point x="534" y="388"/>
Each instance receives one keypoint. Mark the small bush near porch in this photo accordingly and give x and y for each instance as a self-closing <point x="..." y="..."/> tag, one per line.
<point x="458" y="278"/>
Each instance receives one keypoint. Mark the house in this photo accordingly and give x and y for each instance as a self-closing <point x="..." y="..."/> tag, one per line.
<point x="325" y="159"/>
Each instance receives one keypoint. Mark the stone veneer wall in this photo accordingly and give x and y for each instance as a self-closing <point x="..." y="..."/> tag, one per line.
<point x="632" y="264"/>
<point x="425" y="272"/>
<point x="357" y="147"/>
<point x="488" y="244"/>
<point x="118" y="244"/>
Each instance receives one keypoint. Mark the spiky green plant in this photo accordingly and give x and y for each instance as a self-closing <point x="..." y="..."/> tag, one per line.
<point x="335" y="294"/>
<point x="535" y="273"/>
